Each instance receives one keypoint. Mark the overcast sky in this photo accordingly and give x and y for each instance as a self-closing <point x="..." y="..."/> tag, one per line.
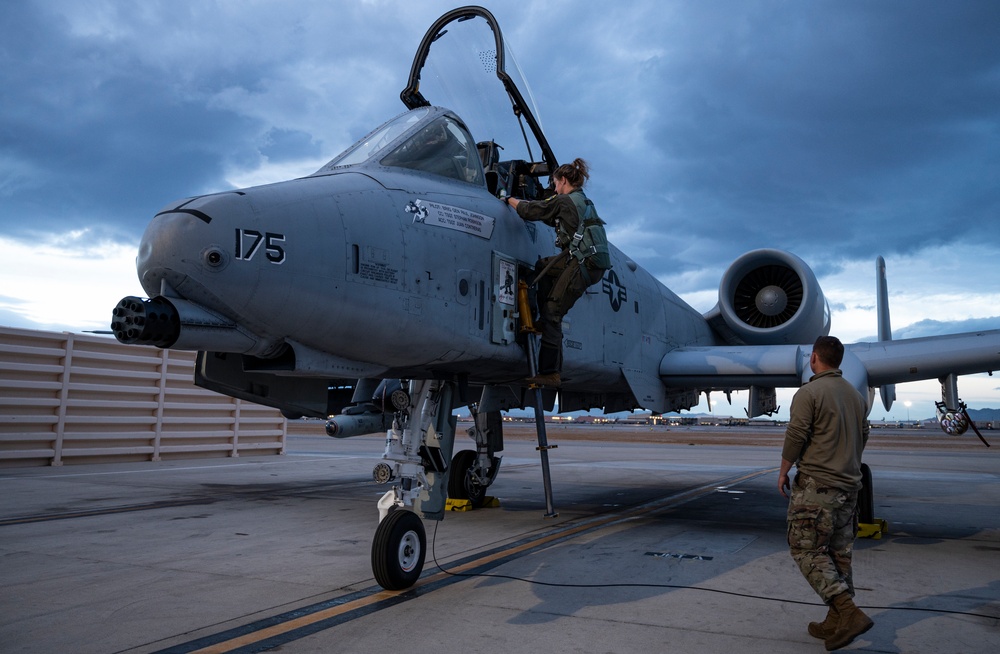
<point x="836" y="130"/>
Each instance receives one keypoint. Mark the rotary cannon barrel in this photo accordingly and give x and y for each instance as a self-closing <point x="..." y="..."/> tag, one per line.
<point x="142" y="321"/>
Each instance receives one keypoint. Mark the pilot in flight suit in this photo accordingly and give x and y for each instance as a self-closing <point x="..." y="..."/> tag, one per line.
<point x="568" y="276"/>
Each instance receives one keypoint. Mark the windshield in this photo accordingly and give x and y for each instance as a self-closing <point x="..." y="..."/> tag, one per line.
<point x="458" y="66"/>
<point x="378" y="140"/>
<point x="443" y="147"/>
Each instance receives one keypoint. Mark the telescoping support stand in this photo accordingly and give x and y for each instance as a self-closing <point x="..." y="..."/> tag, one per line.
<point x="532" y="336"/>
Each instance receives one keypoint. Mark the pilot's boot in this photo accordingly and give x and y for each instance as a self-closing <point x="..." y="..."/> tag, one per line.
<point x="851" y="622"/>
<point x="548" y="368"/>
<point x="825" y="629"/>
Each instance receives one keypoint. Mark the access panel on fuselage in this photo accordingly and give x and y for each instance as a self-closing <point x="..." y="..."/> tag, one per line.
<point x="374" y="240"/>
<point x="504" y="299"/>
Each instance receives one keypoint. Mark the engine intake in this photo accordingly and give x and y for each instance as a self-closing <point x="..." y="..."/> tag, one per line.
<point x="770" y="297"/>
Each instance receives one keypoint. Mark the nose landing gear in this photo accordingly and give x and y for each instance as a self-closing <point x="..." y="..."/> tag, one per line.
<point x="416" y="451"/>
<point x="418" y="462"/>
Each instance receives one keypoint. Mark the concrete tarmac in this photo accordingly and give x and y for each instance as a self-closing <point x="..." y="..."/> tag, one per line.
<point x="658" y="547"/>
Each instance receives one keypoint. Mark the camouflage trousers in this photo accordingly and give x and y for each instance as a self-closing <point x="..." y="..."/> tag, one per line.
<point x="822" y="525"/>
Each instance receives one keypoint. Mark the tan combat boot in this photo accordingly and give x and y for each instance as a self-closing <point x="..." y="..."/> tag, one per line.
<point x="825" y="629"/>
<point x="851" y="622"/>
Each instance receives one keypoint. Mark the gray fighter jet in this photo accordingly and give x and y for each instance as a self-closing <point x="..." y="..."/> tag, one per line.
<point x="391" y="287"/>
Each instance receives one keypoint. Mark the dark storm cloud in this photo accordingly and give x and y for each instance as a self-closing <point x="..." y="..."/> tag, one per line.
<point x="111" y="110"/>
<point x="862" y="127"/>
<point x="93" y="136"/>
<point x="833" y="129"/>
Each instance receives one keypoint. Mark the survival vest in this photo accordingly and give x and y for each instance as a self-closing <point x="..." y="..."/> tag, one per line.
<point x="590" y="242"/>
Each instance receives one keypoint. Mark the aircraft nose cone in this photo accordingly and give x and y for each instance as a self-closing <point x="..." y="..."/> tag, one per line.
<point x="166" y="250"/>
<point x="185" y="241"/>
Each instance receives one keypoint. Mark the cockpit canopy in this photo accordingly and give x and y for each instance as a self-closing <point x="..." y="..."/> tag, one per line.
<point x="463" y="63"/>
<point x="442" y="147"/>
<point x="377" y="141"/>
<point x="428" y="140"/>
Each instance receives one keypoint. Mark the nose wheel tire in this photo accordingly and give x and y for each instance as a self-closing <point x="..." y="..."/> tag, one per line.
<point x="398" y="550"/>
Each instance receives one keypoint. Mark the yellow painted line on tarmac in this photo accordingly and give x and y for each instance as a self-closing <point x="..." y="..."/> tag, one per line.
<point x="558" y="534"/>
<point x="297" y="623"/>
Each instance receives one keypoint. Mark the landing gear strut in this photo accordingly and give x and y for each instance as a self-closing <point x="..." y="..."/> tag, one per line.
<point x="472" y="472"/>
<point x="417" y="450"/>
<point x="468" y="480"/>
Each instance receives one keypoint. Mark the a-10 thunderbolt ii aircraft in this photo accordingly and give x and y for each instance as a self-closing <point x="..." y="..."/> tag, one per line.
<point x="383" y="290"/>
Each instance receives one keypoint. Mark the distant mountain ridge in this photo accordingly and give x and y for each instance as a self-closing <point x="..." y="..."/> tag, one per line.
<point x="983" y="415"/>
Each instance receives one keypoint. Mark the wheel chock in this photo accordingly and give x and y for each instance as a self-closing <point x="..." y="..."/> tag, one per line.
<point x="873" y="529"/>
<point x="465" y="505"/>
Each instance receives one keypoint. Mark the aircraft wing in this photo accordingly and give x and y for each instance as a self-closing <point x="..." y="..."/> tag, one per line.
<point x="931" y="357"/>
<point x="866" y="365"/>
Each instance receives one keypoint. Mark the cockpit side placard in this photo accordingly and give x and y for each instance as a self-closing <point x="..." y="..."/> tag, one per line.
<point x="449" y="217"/>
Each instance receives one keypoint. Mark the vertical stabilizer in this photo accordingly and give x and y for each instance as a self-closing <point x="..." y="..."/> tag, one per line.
<point x="887" y="392"/>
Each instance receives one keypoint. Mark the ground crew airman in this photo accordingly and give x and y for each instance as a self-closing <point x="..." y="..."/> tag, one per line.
<point x="826" y="434"/>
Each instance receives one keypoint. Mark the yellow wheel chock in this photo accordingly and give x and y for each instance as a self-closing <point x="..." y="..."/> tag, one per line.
<point x="872" y="529"/>
<point x="465" y="505"/>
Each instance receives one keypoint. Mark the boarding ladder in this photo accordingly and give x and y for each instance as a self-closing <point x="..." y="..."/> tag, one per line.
<point x="533" y="338"/>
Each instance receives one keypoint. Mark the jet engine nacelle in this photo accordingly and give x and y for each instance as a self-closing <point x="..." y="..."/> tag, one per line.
<point x="771" y="297"/>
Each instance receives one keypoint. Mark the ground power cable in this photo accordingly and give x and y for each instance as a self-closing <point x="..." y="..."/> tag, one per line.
<point x="684" y="587"/>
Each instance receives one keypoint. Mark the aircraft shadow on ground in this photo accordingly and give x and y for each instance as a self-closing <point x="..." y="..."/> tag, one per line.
<point x="649" y="556"/>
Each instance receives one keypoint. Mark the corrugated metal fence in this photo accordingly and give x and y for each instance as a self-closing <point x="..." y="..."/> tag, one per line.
<point x="71" y="398"/>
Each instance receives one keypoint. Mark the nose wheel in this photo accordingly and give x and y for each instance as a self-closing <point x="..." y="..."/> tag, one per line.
<point x="398" y="550"/>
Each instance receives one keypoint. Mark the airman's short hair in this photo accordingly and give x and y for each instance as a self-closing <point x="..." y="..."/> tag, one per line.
<point x="830" y="350"/>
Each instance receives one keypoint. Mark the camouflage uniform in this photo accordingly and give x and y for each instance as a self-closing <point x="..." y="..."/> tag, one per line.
<point x="822" y="525"/>
<point x="826" y="434"/>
